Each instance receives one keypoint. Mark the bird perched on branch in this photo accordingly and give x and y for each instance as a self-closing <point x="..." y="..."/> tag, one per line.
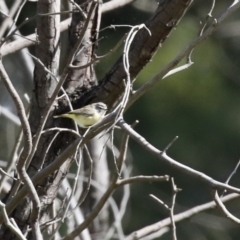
<point x="87" y="115"/>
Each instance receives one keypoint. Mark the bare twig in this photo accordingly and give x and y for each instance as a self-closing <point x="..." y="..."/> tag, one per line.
<point x="11" y="223"/>
<point x="233" y="172"/>
<point x="163" y="156"/>
<point x="12" y="161"/>
<point x="175" y="190"/>
<point x="160" y="201"/>
<point x="67" y="153"/>
<point x="170" y="144"/>
<point x="21" y="167"/>
<point x="54" y="221"/>
<point x="84" y="195"/>
<point x="9" y="115"/>
<point x="120" y="108"/>
<point x="26" y="60"/>
<point x="19" y="9"/>
<point x="74" y="204"/>
<point x="23" y="43"/>
<point x="7" y="175"/>
<point x="47" y="150"/>
<point x="209" y="15"/>
<point x="224" y="209"/>
<point x="118" y="214"/>
<point x="27" y="20"/>
<point x="62" y="89"/>
<point x="147" y="86"/>
<point x="139" y="234"/>
<point x="59" y="85"/>
<point x="105" y="196"/>
<point x="61" y="130"/>
<point x="76" y="212"/>
<point x="109" y="6"/>
<point x="99" y="58"/>
<point x="178" y="69"/>
<point x="5" y="24"/>
<point x="123" y="204"/>
<point x="138" y="179"/>
<point x="4" y="14"/>
<point x="231" y="175"/>
<point x="79" y="8"/>
<point x="126" y="65"/>
<point x="111" y="136"/>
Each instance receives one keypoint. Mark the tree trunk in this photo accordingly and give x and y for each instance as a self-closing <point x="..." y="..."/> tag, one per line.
<point x="82" y="88"/>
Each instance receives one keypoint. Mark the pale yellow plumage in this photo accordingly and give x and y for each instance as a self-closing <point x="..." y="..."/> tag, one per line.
<point x="87" y="116"/>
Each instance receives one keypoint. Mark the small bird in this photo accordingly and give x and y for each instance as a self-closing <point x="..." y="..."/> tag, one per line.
<point x="88" y="115"/>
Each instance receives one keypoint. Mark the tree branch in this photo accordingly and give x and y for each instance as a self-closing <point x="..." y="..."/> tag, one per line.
<point x="177" y="218"/>
<point x="30" y="40"/>
<point x="163" y="157"/>
<point x="165" y="71"/>
<point x="25" y="153"/>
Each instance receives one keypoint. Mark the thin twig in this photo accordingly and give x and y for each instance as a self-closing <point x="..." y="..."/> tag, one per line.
<point x="21" y="167"/>
<point x="59" y="85"/>
<point x="84" y="195"/>
<point x="178" y="69"/>
<point x="111" y="136"/>
<point x="231" y="175"/>
<point x="99" y="58"/>
<point x="12" y="225"/>
<point x="12" y="161"/>
<point x="27" y="20"/>
<point x="119" y="213"/>
<point x="22" y="43"/>
<point x="105" y="196"/>
<point x="175" y="190"/>
<point x="164" y="157"/>
<point x="7" y="175"/>
<point x="19" y="9"/>
<point x="79" y="163"/>
<point x="224" y="209"/>
<point x="109" y="6"/>
<point x="119" y="109"/>
<point x="146" y="231"/>
<point x="6" y="23"/>
<point x="209" y="15"/>
<point x="170" y="144"/>
<point x="160" y="201"/>
<point x="79" y="9"/>
<point x="159" y="76"/>
<point x="61" y="130"/>
<point x="138" y="179"/>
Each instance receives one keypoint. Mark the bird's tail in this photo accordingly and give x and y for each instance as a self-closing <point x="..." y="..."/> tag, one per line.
<point x="58" y="116"/>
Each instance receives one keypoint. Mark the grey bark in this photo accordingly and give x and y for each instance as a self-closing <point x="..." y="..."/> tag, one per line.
<point x="83" y="88"/>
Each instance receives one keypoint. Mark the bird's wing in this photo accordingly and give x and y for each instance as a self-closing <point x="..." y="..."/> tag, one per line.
<point x="87" y="112"/>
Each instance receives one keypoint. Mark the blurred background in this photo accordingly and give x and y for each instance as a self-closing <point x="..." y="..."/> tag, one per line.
<point x="201" y="105"/>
